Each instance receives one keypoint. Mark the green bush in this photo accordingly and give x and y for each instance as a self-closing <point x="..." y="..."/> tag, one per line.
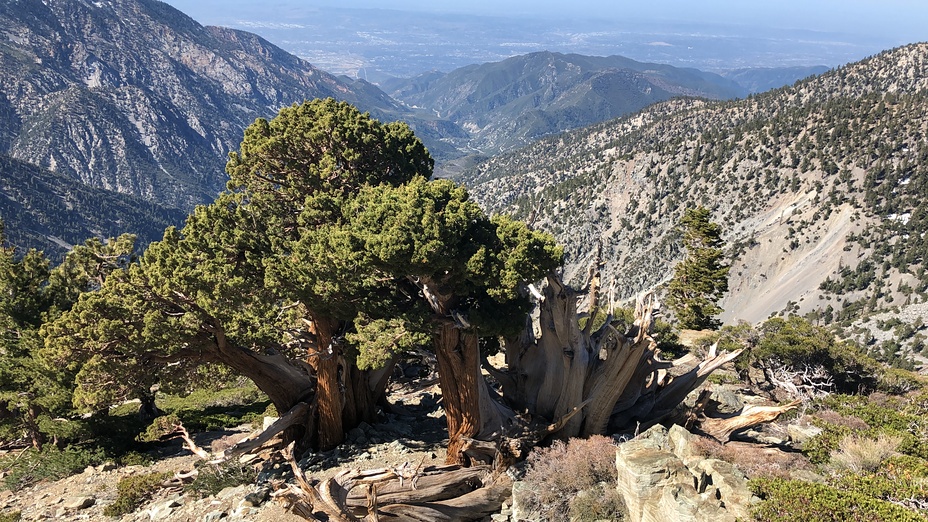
<point x="900" y="479"/>
<point x="883" y="415"/>
<point x="133" y="491"/>
<point x="49" y="464"/>
<point x="792" y="500"/>
<point x="214" y="478"/>
<point x="12" y="516"/>
<point x="797" y="343"/>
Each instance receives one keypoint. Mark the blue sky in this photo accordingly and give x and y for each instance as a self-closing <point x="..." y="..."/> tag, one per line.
<point x="900" y="21"/>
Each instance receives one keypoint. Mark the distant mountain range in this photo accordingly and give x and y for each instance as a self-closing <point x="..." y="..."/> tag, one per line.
<point x="506" y="104"/>
<point x="134" y="97"/>
<point x="820" y="189"/>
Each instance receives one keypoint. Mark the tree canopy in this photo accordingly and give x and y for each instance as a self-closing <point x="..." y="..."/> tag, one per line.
<point x="327" y="257"/>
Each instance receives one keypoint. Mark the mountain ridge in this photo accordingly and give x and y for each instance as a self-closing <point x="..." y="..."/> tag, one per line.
<point x="136" y="97"/>
<point x="511" y="102"/>
<point x="793" y="175"/>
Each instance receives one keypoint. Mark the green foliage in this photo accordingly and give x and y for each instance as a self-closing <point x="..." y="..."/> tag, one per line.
<point x="900" y="479"/>
<point x="700" y="280"/>
<point x="11" y="516"/>
<point x="133" y="491"/>
<point x="797" y="343"/>
<point x="50" y="463"/>
<point x="430" y="230"/>
<point x="323" y="146"/>
<point x="213" y="478"/>
<point x="790" y="500"/>
<point x="879" y="415"/>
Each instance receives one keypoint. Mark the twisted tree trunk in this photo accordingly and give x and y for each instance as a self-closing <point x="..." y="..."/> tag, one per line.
<point x="617" y="381"/>
<point x="345" y="394"/>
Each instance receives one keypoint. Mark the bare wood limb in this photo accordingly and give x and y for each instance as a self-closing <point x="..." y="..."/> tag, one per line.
<point x="560" y="423"/>
<point x="181" y="432"/>
<point x="721" y="429"/>
<point x="307" y="496"/>
<point x="295" y="416"/>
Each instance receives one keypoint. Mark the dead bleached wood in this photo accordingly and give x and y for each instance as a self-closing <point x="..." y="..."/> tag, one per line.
<point x="403" y="493"/>
<point x="722" y="429"/>
<point x="180" y="432"/>
<point x="296" y="416"/>
<point x="620" y="376"/>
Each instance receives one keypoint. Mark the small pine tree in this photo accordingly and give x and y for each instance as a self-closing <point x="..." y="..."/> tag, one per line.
<point x="700" y="280"/>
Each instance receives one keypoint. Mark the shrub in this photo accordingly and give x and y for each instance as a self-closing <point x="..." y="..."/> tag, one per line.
<point x="557" y="474"/>
<point x="791" y="500"/>
<point x="133" y="491"/>
<point x="900" y="479"/>
<point x="49" y="464"/>
<point x="213" y="478"/>
<point x="12" y="516"/>
<point x="860" y="453"/>
<point x="797" y="343"/>
<point x="603" y="502"/>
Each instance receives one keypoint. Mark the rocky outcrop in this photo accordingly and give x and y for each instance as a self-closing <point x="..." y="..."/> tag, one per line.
<point x="661" y="478"/>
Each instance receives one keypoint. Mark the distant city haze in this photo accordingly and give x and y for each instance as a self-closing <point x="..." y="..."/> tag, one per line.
<point x="408" y="37"/>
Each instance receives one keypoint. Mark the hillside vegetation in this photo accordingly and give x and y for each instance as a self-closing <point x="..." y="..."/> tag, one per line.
<point x="52" y="213"/>
<point x="818" y="188"/>
<point x="509" y="103"/>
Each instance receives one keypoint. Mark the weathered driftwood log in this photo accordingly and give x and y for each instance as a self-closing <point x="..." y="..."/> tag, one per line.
<point x="721" y="429"/>
<point x="406" y="493"/>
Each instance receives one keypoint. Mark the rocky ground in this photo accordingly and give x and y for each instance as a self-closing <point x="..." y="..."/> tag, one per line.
<point x="412" y="432"/>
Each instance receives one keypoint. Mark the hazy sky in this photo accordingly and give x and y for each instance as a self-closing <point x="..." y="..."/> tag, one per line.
<point x="900" y="21"/>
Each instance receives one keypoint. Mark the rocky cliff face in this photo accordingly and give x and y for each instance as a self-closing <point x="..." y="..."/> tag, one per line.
<point x="135" y="97"/>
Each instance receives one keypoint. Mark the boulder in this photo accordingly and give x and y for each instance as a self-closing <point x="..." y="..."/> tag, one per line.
<point x="800" y="434"/>
<point x="661" y="478"/>
<point x="725" y="402"/>
<point x="78" y="503"/>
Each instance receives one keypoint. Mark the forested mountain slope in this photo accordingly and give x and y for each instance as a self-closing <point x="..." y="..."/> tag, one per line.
<point x="820" y="189"/>
<point x="136" y="97"/>
<point x="51" y="212"/>
<point x="511" y="102"/>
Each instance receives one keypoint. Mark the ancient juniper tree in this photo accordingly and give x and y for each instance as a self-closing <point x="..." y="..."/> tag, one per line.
<point x="332" y="252"/>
